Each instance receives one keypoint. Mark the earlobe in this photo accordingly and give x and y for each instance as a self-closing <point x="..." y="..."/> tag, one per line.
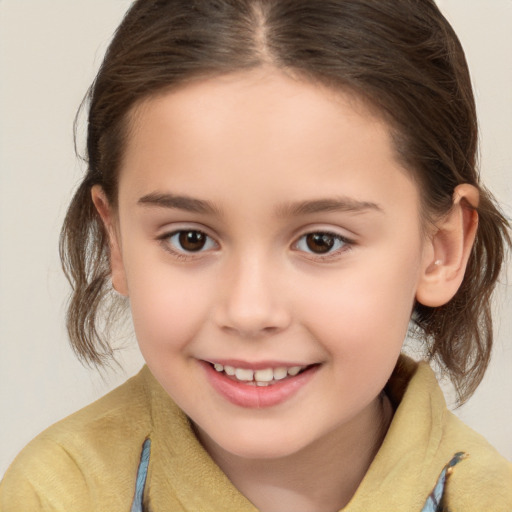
<point x="107" y="215"/>
<point x="447" y="251"/>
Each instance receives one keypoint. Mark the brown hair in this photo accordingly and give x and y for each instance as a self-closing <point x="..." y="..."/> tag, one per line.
<point x="402" y="56"/>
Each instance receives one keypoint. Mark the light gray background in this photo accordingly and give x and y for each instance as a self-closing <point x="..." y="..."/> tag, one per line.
<point x="49" y="53"/>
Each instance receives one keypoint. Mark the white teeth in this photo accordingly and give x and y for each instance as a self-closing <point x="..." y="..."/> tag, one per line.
<point x="244" y="374"/>
<point x="259" y="377"/>
<point x="280" y="373"/>
<point x="294" y="370"/>
<point x="264" y="375"/>
<point x="230" y="370"/>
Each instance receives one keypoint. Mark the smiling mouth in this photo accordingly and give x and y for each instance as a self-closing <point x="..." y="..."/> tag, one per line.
<point x="261" y="378"/>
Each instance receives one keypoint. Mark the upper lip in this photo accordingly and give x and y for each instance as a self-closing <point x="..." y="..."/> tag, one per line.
<point x="256" y="365"/>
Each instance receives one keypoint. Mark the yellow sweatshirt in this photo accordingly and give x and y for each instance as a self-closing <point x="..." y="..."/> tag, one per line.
<point x="88" y="462"/>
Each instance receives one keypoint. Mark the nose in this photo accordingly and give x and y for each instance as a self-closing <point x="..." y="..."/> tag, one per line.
<point x="251" y="301"/>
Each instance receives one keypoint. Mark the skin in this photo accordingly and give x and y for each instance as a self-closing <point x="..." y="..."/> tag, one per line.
<point x="256" y="146"/>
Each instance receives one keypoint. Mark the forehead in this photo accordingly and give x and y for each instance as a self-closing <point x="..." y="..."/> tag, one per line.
<point x="241" y="129"/>
<point x="268" y="105"/>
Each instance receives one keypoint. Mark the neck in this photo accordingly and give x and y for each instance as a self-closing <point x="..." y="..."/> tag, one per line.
<point x="321" y="477"/>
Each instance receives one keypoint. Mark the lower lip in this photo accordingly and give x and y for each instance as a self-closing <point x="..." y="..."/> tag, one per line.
<point x="257" y="397"/>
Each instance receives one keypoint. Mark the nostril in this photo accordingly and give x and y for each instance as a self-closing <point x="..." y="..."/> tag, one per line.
<point x="250" y="333"/>
<point x="251" y="314"/>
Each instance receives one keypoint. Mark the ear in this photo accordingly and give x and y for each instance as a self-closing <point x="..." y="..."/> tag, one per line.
<point x="108" y="217"/>
<point x="447" y="252"/>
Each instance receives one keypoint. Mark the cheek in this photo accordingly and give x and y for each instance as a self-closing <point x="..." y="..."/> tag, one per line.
<point x="168" y="306"/>
<point x="364" y="311"/>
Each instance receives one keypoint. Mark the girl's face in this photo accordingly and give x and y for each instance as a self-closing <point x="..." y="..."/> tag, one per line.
<point x="265" y="227"/>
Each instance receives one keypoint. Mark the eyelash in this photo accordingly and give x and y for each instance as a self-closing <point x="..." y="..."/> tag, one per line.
<point x="185" y="255"/>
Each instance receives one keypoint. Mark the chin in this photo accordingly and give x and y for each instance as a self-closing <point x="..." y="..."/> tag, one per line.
<point x="261" y="451"/>
<point x="258" y="443"/>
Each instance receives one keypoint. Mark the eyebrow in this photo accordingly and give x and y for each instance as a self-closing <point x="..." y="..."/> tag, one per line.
<point x="190" y="204"/>
<point x="339" y="204"/>
<point x="186" y="203"/>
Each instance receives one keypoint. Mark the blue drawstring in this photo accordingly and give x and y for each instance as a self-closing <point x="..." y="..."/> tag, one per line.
<point x="435" y="500"/>
<point x="142" y="473"/>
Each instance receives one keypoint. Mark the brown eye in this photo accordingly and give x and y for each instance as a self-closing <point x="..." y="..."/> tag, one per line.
<point x="322" y="243"/>
<point x="191" y="240"/>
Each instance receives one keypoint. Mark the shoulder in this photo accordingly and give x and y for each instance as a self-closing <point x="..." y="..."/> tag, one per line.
<point x="425" y="436"/>
<point x="96" y="448"/>
<point x="43" y="476"/>
<point x="483" y="480"/>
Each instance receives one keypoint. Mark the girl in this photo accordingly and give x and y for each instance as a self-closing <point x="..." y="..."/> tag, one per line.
<point x="280" y="189"/>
